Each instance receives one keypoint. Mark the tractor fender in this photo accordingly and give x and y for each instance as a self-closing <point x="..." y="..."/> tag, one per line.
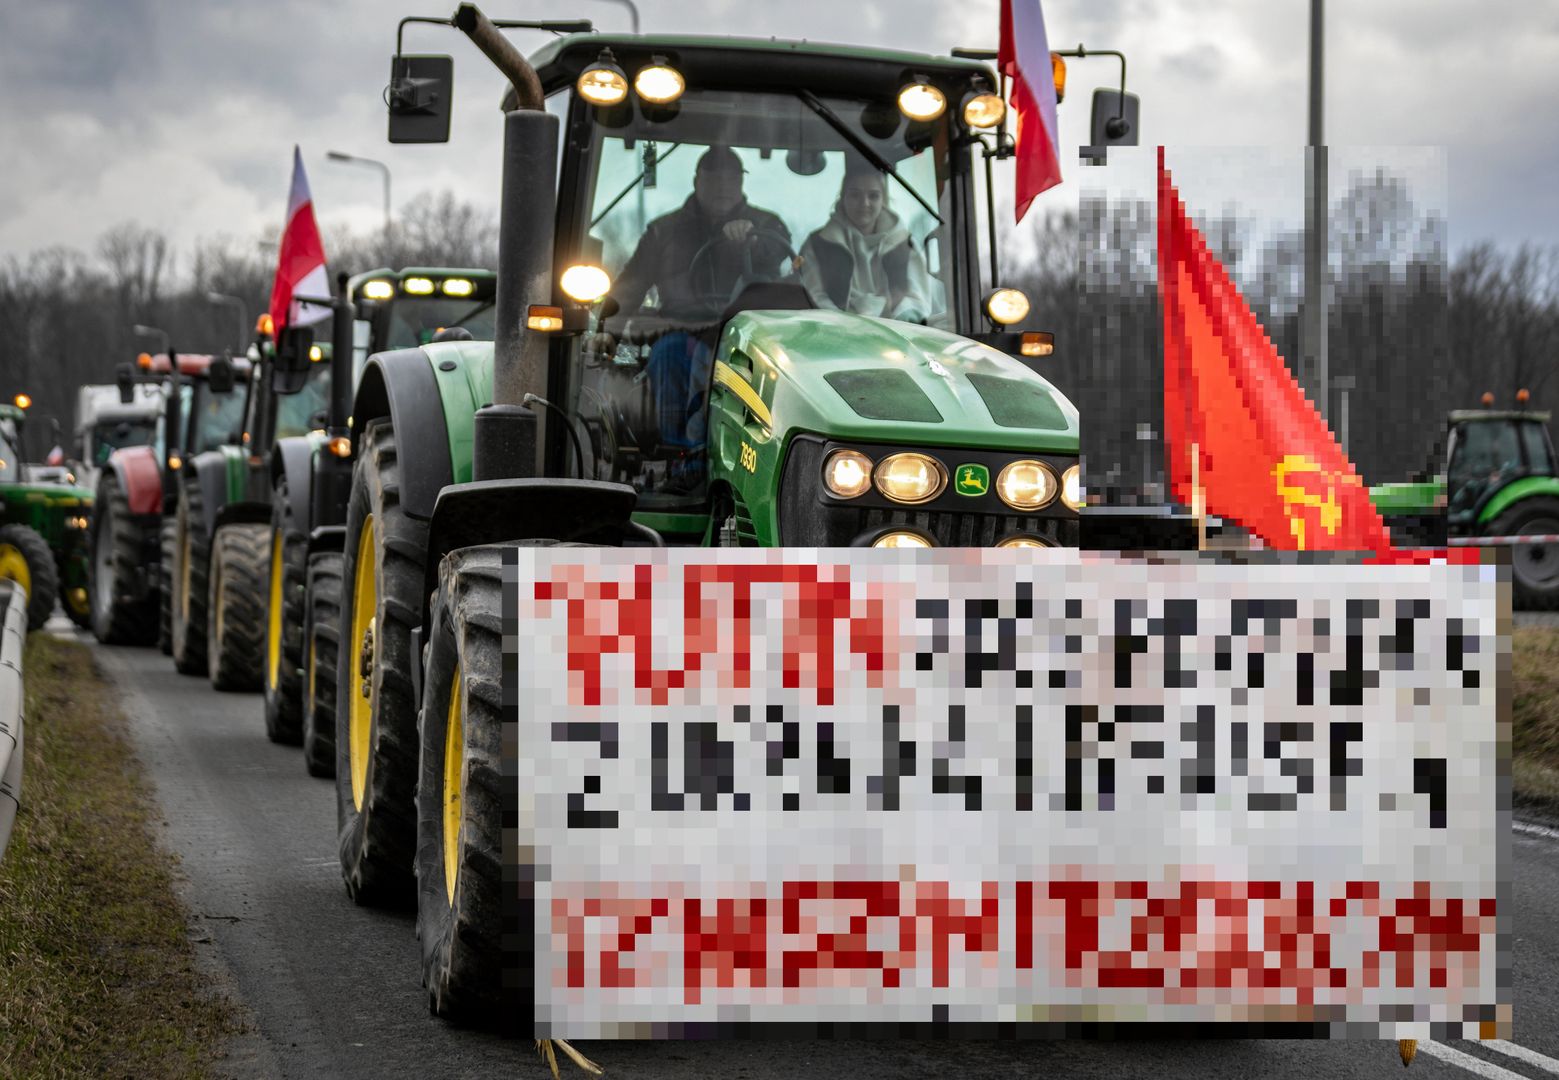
<point x="208" y="472"/>
<point x="139" y="475"/>
<point x="327" y="538"/>
<point x="402" y="386"/>
<point x="293" y="460"/>
<point x="1512" y="493"/>
<point x="242" y="513"/>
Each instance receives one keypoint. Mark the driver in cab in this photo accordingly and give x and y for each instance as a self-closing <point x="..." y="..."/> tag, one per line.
<point x="693" y="256"/>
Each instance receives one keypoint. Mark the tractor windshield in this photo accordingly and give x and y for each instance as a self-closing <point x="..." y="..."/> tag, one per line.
<point x="119" y="434"/>
<point x="413" y="322"/>
<point x="308" y="409"/>
<point x="10" y="460"/>
<point x="739" y="188"/>
<point x="1485" y="455"/>
<point x="216" y="418"/>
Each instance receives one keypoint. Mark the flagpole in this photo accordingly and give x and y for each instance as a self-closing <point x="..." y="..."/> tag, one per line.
<point x="1198" y="503"/>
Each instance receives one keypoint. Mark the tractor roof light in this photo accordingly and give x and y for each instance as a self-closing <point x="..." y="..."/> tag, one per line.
<point x="23" y="401"/>
<point x="847" y="473"/>
<point x="265" y="326"/>
<point x="659" y="83"/>
<point x="417" y="286"/>
<point x="919" y="100"/>
<point x="1487" y="399"/>
<point x="1027" y="485"/>
<point x="1523" y="396"/>
<point x="984" y="110"/>
<point x="902" y="538"/>
<point x="585" y="283"/>
<point x="1037" y="343"/>
<point x="911" y="478"/>
<point x="1007" y="306"/>
<point x="144" y="361"/>
<point x="603" y="82"/>
<point x="378" y="289"/>
<point x="1072" y="488"/>
<point x="457" y="287"/>
<point x="1058" y="76"/>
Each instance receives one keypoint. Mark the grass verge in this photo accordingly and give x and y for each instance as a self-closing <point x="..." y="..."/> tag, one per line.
<point x="1535" y="718"/>
<point x="97" y="974"/>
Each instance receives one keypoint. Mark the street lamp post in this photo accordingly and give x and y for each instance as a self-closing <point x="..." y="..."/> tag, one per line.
<point x="237" y="304"/>
<point x="1315" y="374"/>
<point x="353" y="159"/>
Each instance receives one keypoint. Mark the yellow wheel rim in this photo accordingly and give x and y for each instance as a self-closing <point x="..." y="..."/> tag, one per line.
<point x="273" y="634"/>
<point x="365" y="602"/>
<point x="454" y="744"/>
<point x="310" y="703"/>
<point x="77" y="599"/>
<point x="184" y="576"/>
<point x="13" y="567"/>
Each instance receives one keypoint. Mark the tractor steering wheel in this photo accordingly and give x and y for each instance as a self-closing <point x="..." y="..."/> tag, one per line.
<point x="705" y="254"/>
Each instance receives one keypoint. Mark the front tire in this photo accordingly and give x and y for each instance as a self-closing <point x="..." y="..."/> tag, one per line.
<point x="25" y="558"/>
<point x="190" y="569"/>
<point x="460" y="908"/>
<point x="168" y="535"/>
<point x="322" y="630"/>
<point x="118" y="538"/>
<point x="376" y="715"/>
<point x="1534" y="568"/>
<point x="284" y="628"/>
<point x="235" y="613"/>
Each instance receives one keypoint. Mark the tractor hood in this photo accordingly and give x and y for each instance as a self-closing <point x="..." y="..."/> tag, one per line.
<point x="1424" y="497"/>
<point x="851" y="377"/>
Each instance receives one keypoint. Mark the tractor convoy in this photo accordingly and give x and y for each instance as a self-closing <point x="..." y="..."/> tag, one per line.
<point x="42" y="529"/>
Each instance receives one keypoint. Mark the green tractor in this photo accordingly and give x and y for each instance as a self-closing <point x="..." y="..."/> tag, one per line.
<point x="1491" y="473"/>
<point x="752" y="395"/>
<point x="220" y="555"/>
<point x="311" y="477"/>
<point x="43" y="531"/>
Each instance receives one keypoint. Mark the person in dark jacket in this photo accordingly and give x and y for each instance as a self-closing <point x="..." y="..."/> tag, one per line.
<point x="692" y="258"/>
<point x="863" y="259"/>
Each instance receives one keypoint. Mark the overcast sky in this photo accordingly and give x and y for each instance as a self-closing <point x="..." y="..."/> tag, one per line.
<point x="181" y="115"/>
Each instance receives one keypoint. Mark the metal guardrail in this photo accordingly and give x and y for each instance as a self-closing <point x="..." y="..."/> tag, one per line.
<point x="13" y="632"/>
<point x="1503" y="541"/>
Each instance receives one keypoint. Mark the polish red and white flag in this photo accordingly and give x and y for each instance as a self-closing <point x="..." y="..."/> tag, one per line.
<point x="300" y="260"/>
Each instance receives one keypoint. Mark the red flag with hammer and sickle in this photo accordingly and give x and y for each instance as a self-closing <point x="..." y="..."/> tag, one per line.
<point x="1265" y="458"/>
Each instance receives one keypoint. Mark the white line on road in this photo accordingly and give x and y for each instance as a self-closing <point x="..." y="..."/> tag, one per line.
<point x="1466" y="1061"/>
<point x="1526" y="828"/>
<point x="1531" y="1057"/>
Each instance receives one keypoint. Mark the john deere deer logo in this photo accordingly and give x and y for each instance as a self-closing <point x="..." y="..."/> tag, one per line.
<point x="972" y="479"/>
<point x="1319" y="494"/>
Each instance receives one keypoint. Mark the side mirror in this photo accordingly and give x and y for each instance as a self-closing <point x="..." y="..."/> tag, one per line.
<point x="419" y="98"/>
<point x="1115" y="121"/>
<point x="219" y="375"/>
<point x="291" y="370"/>
<point x="124" y="376"/>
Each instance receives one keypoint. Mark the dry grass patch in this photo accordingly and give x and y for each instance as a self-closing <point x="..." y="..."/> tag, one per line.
<point x="97" y="974"/>
<point x="1535" y="715"/>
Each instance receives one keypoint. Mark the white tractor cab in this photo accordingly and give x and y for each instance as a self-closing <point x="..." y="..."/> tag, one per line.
<point x="105" y="423"/>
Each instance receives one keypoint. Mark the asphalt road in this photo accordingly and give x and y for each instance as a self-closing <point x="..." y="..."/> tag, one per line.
<point x="332" y="989"/>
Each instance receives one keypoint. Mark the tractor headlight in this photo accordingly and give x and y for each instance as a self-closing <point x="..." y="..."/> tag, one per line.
<point x="1025" y="540"/>
<point x="585" y="283"/>
<point x="377" y="290"/>
<point x="911" y="478"/>
<point x="660" y="83"/>
<point x="1007" y="306"/>
<point x="920" y="100"/>
<point x="847" y="473"/>
<point x="902" y="538"/>
<point x="1026" y="485"/>
<point x="458" y="287"/>
<point x="603" y="82"/>
<point x="1072" y="488"/>
<point x="984" y="111"/>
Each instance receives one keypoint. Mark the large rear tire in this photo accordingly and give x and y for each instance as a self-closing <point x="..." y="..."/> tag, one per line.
<point x="322" y="631"/>
<point x="118" y="540"/>
<point x="235" y="612"/>
<point x="169" y="538"/>
<point x="376" y="715"/>
<point x="25" y="558"/>
<point x="460" y="908"/>
<point x="1534" y="568"/>
<point x="284" y="628"/>
<point x="191" y="568"/>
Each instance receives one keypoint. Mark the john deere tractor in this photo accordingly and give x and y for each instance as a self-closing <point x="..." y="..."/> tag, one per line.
<point x="731" y="405"/>
<point x="42" y="531"/>
<point x="1491" y="473"/>
<point x="138" y="491"/>
<point x="222" y="523"/>
<point x="311" y="477"/>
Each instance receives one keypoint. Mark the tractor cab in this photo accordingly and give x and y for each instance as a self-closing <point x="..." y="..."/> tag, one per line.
<point x="1487" y="452"/>
<point x="403" y="309"/>
<point x="770" y="315"/>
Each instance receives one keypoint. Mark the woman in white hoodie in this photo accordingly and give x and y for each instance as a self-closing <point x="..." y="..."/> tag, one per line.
<point x="862" y="259"/>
